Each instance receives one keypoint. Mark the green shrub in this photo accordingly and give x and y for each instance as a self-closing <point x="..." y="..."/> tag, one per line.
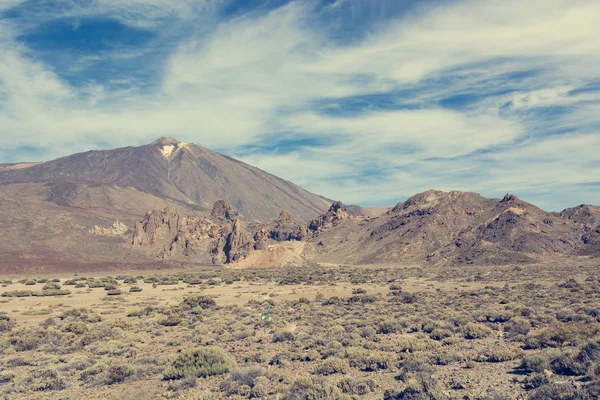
<point x="247" y="381"/>
<point x="135" y="289"/>
<point x="45" y="380"/>
<point x="476" y="331"/>
<point x="30" y="282"/>
<point x="568" y="364"/>
<point x="198" y="301"/>
<point x="307" y="388"/>
<point x="356" y="387"/>
<point x="113" y="292"/>
<point x="77" y="327"/>
<point x="517" y="326"/>
<point x="496" y="354"/>
<point x="6" y="323"/>
<point x="111" y="286"/>
<point x="51" y="286"/>
<point x="170" y="320"/>
<point x="202" y="362"/>
<point x="92" y="284"/>
<point x="118" y="373"/>
<point x="370" y="360"/>
<point x="554" y="391"/>
<point x="18" y="293"/>
<point x="52" y="292"/>
<point x="534" y="363"/>
<point x="283" y="336"/>
<point x="332" y="366"/>
<point x="402" y="297"/>
<point x="440" y="333"/>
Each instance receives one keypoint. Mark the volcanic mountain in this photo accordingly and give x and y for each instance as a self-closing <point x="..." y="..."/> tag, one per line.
<point x="79" y="207"/>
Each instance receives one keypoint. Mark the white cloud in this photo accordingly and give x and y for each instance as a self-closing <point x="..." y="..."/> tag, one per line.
<point x="233" y="83"/>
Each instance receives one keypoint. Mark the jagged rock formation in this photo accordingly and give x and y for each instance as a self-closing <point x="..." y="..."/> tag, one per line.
<point x="222" y="210"/>
<point x="336" y="214"/>
<point x="239" y="243"/>
<point x="224" y="237"/>
<point x="436" y="227"/>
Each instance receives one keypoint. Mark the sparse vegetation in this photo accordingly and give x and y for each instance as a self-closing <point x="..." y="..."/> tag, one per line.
<point x="408" y="333"/>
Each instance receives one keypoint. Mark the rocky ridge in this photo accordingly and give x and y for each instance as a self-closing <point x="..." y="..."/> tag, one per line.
<point x="436" y="227"/>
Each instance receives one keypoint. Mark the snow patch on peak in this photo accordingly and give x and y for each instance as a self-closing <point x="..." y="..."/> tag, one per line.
<point x="169" y="149"/>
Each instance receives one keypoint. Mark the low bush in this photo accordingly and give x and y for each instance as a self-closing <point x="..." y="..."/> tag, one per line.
<point x="52" y="292"/>
<point x="534" y="363"/>
<point x="554" y="391"/>
<point x="356" y="387"/>
<point x="45" y="380"/>
<point x="247" y="381"/>
<point x="283" y="336"/>
<point x="202" y="362"/>
<point x="51" y="286"/>
<point x="369" y="361"/>
<point x="198" y="301"/>
<point x="169" y="320"/>
<point x="18" y="293"/>
<point x="332" y="366"/>
<point x="476" y="331"/>
<point x="118" y="373"/>
<point x="6" y="323"/>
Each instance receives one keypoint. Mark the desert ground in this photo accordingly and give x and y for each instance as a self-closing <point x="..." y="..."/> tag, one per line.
<point x="315" y="332"/>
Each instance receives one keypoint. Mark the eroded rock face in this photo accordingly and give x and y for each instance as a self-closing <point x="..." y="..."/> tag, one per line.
<point x="157" y="227"/>
<point x="336" y="213"/>
<point x="239" y="243"/>
<point x="222" y="210"/>
<point x="224" y="237"/>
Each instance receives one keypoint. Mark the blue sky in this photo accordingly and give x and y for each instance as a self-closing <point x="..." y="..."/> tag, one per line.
<point x="368" y="101"/>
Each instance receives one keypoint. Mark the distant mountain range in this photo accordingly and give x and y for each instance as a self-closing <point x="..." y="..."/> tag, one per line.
<point x="169" y="202"/>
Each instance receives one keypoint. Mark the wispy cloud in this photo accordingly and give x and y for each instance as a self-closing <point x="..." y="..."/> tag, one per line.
<point x="487" y="96"/>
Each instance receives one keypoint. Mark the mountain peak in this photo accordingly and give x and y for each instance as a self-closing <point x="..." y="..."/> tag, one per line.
<point x="509" y="197"/>
<point x="168" y="146"/>
<point x="165" y="141"/>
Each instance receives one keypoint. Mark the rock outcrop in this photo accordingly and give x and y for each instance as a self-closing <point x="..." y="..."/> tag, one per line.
<point x="224" y="237"/>
<point x="117" y="229"/>
<point x="336" y="213"/>
<point x="157" y="227"/>
<point x="239" y="243"/>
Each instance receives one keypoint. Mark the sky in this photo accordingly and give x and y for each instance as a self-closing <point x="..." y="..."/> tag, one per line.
<point x="367" y="101"/>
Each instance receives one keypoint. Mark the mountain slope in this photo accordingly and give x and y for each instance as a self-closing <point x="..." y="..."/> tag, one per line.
<point x="48" y="210"/>
<point x="461" y="228"/>
<point x="185" y="173"/>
